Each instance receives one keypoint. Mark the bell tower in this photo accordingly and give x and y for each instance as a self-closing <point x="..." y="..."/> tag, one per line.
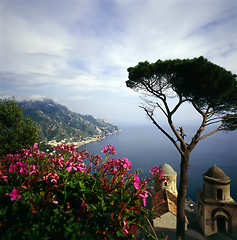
<point x="170" y="182"/>
<point x="164" y="199"/>
<point x="217" y="210"/>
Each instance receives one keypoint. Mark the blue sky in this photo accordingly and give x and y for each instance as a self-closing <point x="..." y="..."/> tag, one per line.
<point x="77" y="51"/>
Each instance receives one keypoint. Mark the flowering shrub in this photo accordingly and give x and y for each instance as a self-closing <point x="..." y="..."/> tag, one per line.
<point x="157" y="172"/>
<point x="70" y="194"/>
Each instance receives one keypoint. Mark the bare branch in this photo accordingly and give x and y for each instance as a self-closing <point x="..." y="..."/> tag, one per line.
<point x="176" y="133"/>
<point x="210" y="114"/>
<point x="177" y="105"/>
<point x="228" y="117"/>
<point x="151" y="90"/>
<point x="210" y="133"/>
<point x="198" y="109"/>
<point x="150" y="115"/>
<point x="221" y="119"/>
<point x="206" y="123"/>
<point x="152" y="105"/>
<point x="162" y="109"/>
<point x="213" y="119"/>
<point x="196" y="137"/>
<point x="212" y="122"/>
<point x="220" y="128"/>
<point x="228" y="127"/>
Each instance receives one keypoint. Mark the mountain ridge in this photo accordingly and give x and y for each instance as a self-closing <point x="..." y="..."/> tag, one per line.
<point x="58" y="124"/>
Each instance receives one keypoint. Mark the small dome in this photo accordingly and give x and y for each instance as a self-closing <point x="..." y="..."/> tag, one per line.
<point x="216" y="174"/>
<point x="167" y="170"/>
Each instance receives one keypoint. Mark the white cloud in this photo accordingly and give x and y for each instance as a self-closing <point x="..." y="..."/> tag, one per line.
<point x="81" y="49"/>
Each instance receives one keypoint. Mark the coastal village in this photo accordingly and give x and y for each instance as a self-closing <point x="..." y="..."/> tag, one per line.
<point x="54" y="143"/>
<point x="214" y="216"/>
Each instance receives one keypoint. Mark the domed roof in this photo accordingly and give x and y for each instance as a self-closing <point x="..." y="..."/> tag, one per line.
<point x="167" y="170"/>
<point x="216" y="174"/>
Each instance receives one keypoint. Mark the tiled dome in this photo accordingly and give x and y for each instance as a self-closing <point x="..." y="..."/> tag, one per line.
<point x="167" y="170"/>
<point x="216" y="174"/>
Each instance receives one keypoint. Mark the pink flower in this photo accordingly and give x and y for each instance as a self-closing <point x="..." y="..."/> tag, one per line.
<point x="109" y="149"/>
<point x="126" y="163"/>
<point x="61" y="161"/>
<point x="65" y="148"/>
<point x="35" y="145"/>
<point x="54" y="177"/>
<point x="125" y="227"/>
<point x="82" y="167"/>
<point x="3" y="177"/>
<point x="14" y="194"/>
<point x="23" y="166"/>
<point x="33" y="168"/>
<point x="136" y="181"/>
<point x="144" y="196"/>
<point x="54" y="201"/>
<point x="12" y="168"/>
<point x="71" y="166"/>
<point x="156" y="171"/>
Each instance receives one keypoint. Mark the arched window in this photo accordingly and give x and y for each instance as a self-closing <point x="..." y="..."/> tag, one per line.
<point x="166" y="184"/>
<point x="219" y="194"/>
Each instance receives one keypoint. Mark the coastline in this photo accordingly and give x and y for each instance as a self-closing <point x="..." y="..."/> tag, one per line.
<point x="97" y="138"/>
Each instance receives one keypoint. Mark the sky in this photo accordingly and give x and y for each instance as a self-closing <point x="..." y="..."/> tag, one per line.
<point x="77" y="52"/>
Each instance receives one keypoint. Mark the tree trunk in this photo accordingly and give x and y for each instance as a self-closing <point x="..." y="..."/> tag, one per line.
<point x="183" y="184"/>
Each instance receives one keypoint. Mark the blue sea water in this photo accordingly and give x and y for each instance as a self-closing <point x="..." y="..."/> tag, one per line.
<point x="145" y="146"/>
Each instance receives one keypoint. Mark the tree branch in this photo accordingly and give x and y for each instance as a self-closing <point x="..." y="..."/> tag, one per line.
<point x="153" y="105"/>
<point x="196" y="138"/>
<point x="212" y="122"/>
<point x="176" y="133"/>
<point x="177" y="105"/>
<point x="168" y="114"/>
<point x="209" y="119"/>
<point x="162" y="109"/>
<point x="162" y="130"/>
<point x="226" y="128"/>
<point x="220" y="128"/>
<point x="210" y="133"/>
<point x="210" y="114"/>
<point x="198" y="109"/>
<point x="152" y="91"/>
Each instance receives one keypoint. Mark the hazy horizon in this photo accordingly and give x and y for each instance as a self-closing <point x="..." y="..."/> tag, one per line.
<point x="78" y="52"/>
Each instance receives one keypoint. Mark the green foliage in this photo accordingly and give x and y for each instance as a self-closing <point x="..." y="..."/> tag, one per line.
<point x="205" y="84"/>
<point x="230" y="122"/>
<point x="70" y="195"/>
<point x="16" y="131"/>
<point x="199" y="81"/>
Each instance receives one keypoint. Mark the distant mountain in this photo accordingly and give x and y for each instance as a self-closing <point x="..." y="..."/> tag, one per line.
<point x="58" y="124"/>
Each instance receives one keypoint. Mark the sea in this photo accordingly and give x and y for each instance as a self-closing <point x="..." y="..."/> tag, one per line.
<point x="145" y="146"/>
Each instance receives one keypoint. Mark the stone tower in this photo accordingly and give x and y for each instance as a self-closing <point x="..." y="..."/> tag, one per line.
<point x="164" y="200"/>
<point x="170" y="182"/>
<point x="217" y="211"/>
